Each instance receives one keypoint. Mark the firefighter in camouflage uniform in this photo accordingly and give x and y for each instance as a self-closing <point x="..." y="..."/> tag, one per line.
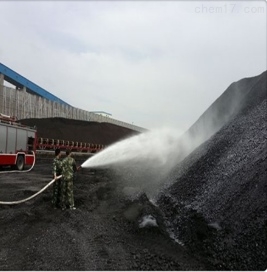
<point x="57" y="170"/>
<point x="68" y="169"/>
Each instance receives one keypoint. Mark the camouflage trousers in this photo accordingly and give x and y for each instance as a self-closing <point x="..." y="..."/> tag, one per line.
<point x="56" y="193"/>
<point x="67" y="198"/>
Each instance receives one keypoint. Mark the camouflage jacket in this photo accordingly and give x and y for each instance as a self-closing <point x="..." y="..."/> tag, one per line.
<point x="68" y="167"/>
<point x="57" y="166"/>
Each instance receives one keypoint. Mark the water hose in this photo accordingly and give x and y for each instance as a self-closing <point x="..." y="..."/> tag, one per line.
<point x="26" y="199"/>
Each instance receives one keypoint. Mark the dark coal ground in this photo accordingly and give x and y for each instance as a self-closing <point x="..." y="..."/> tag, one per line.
<point x="215" y="204"/>
<point x="102" y="234"/>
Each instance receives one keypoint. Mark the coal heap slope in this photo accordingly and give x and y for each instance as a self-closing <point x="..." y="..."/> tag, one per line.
<point x="237" y="96"/>
<point x="217" y="201"/>
<point x="77" y="130"/>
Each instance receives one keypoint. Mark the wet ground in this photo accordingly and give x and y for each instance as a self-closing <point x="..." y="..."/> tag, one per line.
<point x="102" y="234"/>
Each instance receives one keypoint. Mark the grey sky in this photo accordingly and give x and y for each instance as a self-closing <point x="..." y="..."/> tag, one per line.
<point x="151" y="63"/>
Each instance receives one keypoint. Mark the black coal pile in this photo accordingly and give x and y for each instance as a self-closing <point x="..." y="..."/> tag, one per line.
<point x="77" y="130"/>
<point x="216" y="204"/>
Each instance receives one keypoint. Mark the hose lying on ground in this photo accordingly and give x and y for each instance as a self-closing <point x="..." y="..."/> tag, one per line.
<point x="26" y="199"/>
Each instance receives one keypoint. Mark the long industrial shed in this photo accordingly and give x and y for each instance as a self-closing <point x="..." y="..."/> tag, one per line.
<point x="28" y="100"/>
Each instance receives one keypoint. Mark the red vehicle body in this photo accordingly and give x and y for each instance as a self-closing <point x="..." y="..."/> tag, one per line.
<point x="17" y="143"/>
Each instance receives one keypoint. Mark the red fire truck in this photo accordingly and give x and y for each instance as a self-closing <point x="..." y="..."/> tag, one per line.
<point x="17" y="143"/>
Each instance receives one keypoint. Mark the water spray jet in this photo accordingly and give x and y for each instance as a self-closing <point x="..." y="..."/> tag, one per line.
<point x="150" y="147"/>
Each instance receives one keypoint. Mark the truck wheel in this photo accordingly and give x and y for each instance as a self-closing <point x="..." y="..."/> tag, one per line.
<point x="20" y="163"/>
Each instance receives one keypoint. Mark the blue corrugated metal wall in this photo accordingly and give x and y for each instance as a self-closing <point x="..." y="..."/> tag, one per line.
<point x="20" y="81"/>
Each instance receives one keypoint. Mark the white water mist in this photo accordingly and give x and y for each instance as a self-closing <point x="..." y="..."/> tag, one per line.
<point x="156" y="147"/>
<point x="144" y="161"/>
<point x="141" y="162"/>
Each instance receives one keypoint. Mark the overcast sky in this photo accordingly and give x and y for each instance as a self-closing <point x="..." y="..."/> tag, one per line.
<point x="150" y="63"/>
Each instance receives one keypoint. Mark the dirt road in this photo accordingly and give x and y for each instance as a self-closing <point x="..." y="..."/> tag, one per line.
<point x="102" y="234"/>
